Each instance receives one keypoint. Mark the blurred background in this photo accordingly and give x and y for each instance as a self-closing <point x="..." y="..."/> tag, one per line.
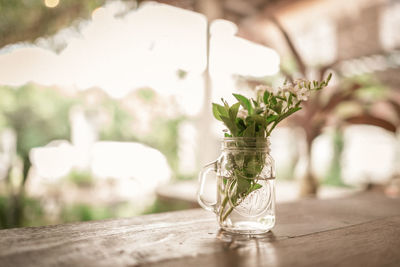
<point x="105" y="106"/>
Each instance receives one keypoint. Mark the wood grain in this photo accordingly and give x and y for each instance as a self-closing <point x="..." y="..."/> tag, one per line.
<point x="363" y="230"/>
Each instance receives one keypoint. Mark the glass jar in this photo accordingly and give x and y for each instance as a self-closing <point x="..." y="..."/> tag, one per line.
<point x="245" y="175"/>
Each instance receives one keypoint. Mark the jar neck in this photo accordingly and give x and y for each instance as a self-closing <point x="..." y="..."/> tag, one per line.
<point x="258" y="144"/>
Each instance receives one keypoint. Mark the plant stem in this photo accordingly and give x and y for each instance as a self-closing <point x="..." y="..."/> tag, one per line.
<point x="224" y="202"/>
<point x="227" y="213"/>
<point x="273" y="126"/>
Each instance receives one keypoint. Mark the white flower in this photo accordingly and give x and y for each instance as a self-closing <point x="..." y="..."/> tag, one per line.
<point x="303" y="94"/>
<point x="300" y="90"/>
<point x="243" y="113"/>
<point x="286" y="88"/>
<point x="295" y="89"/>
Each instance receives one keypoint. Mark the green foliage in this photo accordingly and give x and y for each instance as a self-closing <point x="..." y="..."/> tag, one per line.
<point x="88" y="212"/>
<point x="147" y="95"/>
<point x="165" y="206"/>
<point x="33" y="213"/>
<point x="264" y="113"/>
<point x="120" y="125"/>
<point x="85" y="212"/>
<point x="4" y="212"/>
<point x="165" y="138"/>
<point x="254" y="123"/>
<point x="38" y="116"/>
<point x="334" y="175"/>
<point x="245" y="103"/>
<point x="181" y="74"/>
<point x="164" y="135"/>
<point x="27" y="20"/>
<point x="81" y="178"/>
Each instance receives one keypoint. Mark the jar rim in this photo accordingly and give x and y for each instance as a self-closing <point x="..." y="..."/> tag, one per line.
<point x="245" y="138"/>
<point x="246" y="143"/>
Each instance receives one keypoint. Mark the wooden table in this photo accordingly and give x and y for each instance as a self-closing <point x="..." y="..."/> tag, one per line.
<point x="362" y="230"/>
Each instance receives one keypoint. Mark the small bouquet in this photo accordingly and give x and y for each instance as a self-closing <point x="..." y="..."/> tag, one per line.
<point x="251" y="122"/>
<point x="258" y="117"/>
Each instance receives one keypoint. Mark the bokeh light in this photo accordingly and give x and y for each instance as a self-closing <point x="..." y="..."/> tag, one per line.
<point x="51" y="3"/>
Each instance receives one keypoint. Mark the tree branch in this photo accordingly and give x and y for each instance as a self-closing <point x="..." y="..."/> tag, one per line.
<point x="372" y="120"/>
<point x="296" y="54"/>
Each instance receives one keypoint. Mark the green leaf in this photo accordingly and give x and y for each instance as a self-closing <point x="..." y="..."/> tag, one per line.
<point x="256" y="186"/>
<point x="250" y="130"/>
<point x="271" y="118"/>
<point x="233" y="111"/>
<point x="273" y="100"/>
<point x="260" y="133"/>
<point x="227" y="135"/>
<point x="249" y="120"/>
<point x="266" y="96"/>
<point x="230" y="124"/>
<point x="225" y="104"/>
<point x="277" y="108"/>
<point x="223" y="110"/>
<point x="243" y="184"/>
<point x="244" y="102"/>
<point x="258" y="111"/>
<point x="255" y="103"/>
<point x="328" y="79"/>
<point x="259" y="119"/>
<point x="218" y="110"/>
<point x="290" y="99"/>
<point x="239" y="160"/>
<point x="253" y="167"/>
<point x="240" y="124"/>
<point x="287" y="114"/>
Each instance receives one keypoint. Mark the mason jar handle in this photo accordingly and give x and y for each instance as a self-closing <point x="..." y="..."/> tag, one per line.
<point x="202" y="179"/>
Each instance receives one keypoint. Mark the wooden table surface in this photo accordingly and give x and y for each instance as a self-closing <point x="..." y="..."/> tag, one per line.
<point x="362" y="230"/>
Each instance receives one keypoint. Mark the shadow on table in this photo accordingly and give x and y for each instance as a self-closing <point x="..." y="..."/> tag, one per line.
<point x="246" y="250"/>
